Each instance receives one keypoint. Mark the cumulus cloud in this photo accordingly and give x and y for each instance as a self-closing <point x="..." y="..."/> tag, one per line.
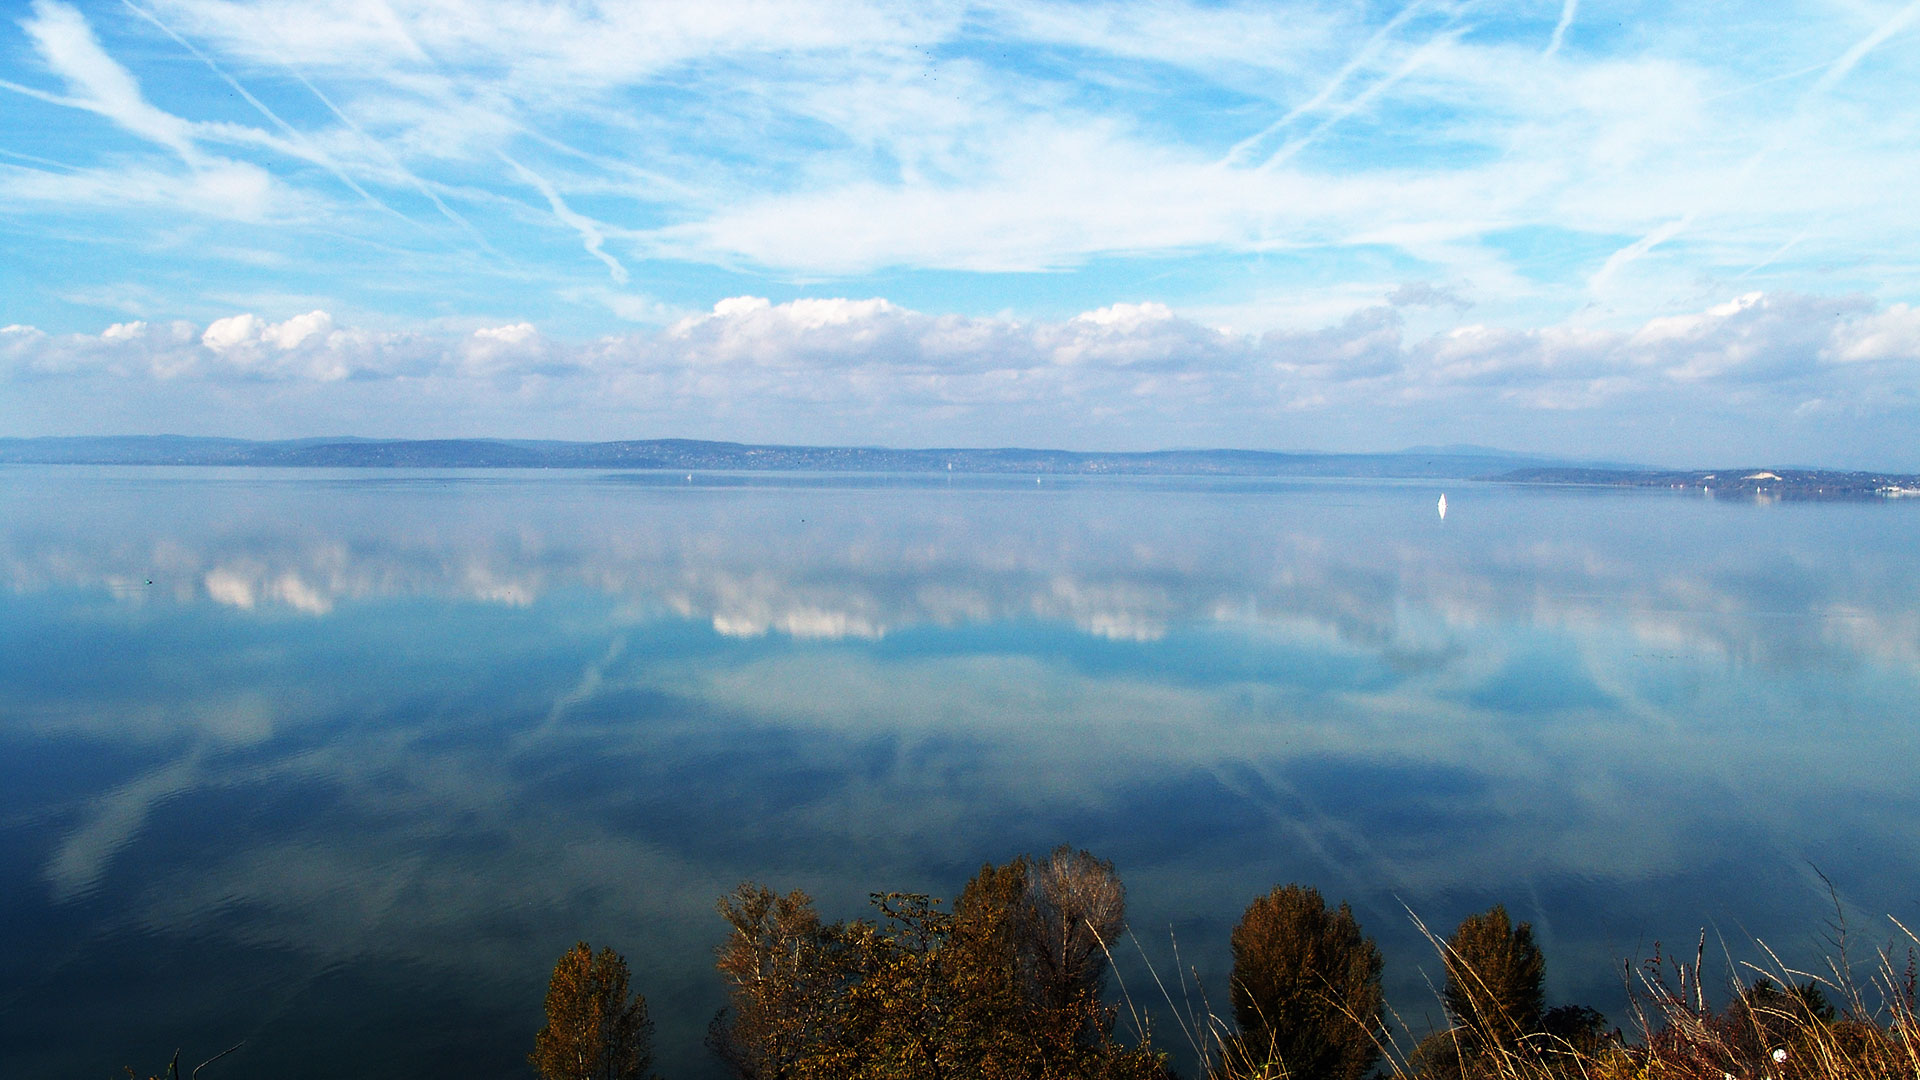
<point x="238" y="348"/>
<point x="1136" y="367"/>
<point x="1893" y="334"/>
<point x="1788" y="343"/>
<point x="1367" y="344"/>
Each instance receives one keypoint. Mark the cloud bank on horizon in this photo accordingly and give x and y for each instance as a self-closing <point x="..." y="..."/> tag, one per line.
<point x="1655" y="231"/>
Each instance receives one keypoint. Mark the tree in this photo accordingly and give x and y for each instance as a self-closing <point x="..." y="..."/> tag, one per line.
<point x="786" y="975"/>
<point x="1074" y="905"/>
<point x="1578" y="1028"/>
<point x="1495" y="973"/>
<point x="927" y="993"/>
<point x="1027" y="960"/>
<point x="593" y="1031"/>
<point x="1305" y="989"/>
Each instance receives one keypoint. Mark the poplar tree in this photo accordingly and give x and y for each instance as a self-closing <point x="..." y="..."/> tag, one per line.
<point x="1495" y="981"/>
<point x="1305" y="989"/>
<point x="594" y="1031"/>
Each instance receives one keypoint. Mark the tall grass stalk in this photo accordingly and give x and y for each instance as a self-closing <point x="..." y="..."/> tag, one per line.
<point x="1777" y="1023"/>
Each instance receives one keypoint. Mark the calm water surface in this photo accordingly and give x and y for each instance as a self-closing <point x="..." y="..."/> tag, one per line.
<point x="338" y="762"/>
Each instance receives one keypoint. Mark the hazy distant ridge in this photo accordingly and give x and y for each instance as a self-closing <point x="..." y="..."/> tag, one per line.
<point x="691" y="454"/>
<point x="1777" y="483"/>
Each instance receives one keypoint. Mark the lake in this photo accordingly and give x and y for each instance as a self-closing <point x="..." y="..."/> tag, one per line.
<point x="338" y="762"/>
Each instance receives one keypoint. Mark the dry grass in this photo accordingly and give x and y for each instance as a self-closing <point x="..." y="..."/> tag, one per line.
<point x="1779" y="1023"/>
<point x="1775" y="1023"/>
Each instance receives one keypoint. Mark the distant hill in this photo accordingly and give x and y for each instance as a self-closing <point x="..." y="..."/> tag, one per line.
<point x="1765" y="483"/>
<point x="693" y="454"/>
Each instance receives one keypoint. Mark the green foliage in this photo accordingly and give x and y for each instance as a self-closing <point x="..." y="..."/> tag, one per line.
<point x="1494" y="989"/>
<point x="1305" y="990"/>
<point x="593" y="1030"/>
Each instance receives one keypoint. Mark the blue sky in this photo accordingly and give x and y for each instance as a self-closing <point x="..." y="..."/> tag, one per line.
<point x="1680" y="233"/>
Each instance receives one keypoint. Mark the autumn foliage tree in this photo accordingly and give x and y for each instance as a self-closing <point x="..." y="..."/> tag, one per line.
<point x="1495" y="990"/>
<point x="784" y="972"/>
<point x="1305" y="990"/>
<point x="594" y="1030"/>
<point x="1494" y="995"/>
<point x="1006" y="985"/>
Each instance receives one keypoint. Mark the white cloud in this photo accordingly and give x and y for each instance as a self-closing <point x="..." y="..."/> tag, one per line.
<point x="302" y="347"/>
<point x="67" y="44"/>
<point x="1128" y="375"/>
<point x="497" y="352"/>
<point x="224" y="335"/>
<point x="227" y="190"/>
<point x="1126" y="316"/>
<point x="802" y="139"/>
<point x="290" y="334"/>
<point x="1756" y="343"/>
<point x="1892" y="334"/>
<point x="99" y="84"/>
<point x="515" y="334"/>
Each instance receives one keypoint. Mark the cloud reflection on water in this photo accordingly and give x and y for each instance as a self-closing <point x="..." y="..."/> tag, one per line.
<point x="447" y="722"/>
<point x="849" y="563"/>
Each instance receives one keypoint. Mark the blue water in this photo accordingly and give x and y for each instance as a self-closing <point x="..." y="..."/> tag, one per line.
<point x="339" y="762"/>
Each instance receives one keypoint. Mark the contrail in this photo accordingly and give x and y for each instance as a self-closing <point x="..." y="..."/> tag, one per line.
<point x="46" y="96"/>
<point x="1768" y="81"/>
<point x="656" y="179"/>
<point x="49" y="162"/>
<point x="1836" y="72"/>
<point x="588" y="229"/>
<point x="1635" y="251"/>
<point x="418" y="184"/>
<point x="1567" y="11"/>
<point x="1357" y="102"/>
<point x="317" y="154"/>
<point x="392" y="159"/>
<point x="1244" y="148"/>
<point x="1772" y="257"/>
<point x="1851" y="58"/>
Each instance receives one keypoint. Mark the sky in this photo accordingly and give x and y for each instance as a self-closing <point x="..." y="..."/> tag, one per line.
<point x="1680" y="234"/>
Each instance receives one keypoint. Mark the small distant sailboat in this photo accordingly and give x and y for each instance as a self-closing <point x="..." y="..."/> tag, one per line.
<point x="1443" y="506"/>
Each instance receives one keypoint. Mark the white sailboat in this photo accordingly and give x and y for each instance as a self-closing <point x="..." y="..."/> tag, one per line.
<point x="1443" y="506"/>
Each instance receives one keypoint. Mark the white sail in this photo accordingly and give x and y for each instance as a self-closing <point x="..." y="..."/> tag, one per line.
<point x="1443" y="506"/>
